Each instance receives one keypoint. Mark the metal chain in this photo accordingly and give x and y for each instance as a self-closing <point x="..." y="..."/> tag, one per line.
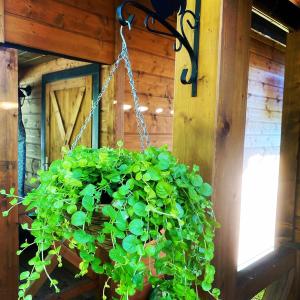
<point x="142" y="129"/>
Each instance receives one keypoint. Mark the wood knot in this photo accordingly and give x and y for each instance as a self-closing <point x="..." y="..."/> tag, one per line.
<point x="225" y="128"/>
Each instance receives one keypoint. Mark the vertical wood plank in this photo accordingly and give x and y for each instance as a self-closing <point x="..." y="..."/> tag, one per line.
<point x="8" y="171"/>
<point x="290" y="133"/>
<point x="1" y="21"/>
<point x="209" y="129"/>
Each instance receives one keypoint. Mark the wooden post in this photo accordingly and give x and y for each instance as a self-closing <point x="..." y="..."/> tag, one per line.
<point x="288" y="206"/>
<point x="209" y="129"/>
<point x="289" y="149"/>
<point x="8" y="171"/>
<point x="1" y="21"/>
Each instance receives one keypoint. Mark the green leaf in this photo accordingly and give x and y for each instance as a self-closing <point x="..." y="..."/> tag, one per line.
<point x="28" y="297"/>
<point x="206" y="286"/>
<point x="163" y="189"/>
<point x="140" y="209"/>
<point x="121" y="221"/>
<point x="24" y="226"/>
<point x="78" y="218"/>
<point x="88" y="202"/>
<point x="146" y="177"/>
<point x="130" y="243"/>
<point x="120" y="144"/>
<point x="2" y="192"/>
<point x="13" y="202"/>
<point x="109" y="211"/>
<point x="71" y="209"/>
<point x="5" y="213"/>
<point x="206" y="190"/>
<point x="24" y="275"/>
<point x="81" y="237"/>
<point x="150" y="250"/>
<point x="96" y="267"/>
<point x="154" y="173"/>
<point x="89" y="190"/>
<point x="216" y="292"/>
<point x="34" y="276"/>
<point x="136" y="227"/>
<point x="58" y="204"/>
<point x="197" y="180"/>
<point x="124" y="190"/>
<point x="118" y="255"/>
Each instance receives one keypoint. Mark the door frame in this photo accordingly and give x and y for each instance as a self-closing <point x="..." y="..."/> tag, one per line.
<point x="92" y="69"/>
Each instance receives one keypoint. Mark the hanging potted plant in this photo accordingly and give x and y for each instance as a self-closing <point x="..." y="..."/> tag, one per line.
<point x="137" y="206"/>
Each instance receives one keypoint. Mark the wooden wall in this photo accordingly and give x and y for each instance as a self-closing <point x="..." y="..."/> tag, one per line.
<point x="8" y="171"/>
<point x="82" y="29"/>
<point x="153" y="68"/>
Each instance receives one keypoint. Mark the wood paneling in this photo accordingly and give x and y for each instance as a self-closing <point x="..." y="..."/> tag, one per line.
<point x="154" y="77"/>
<point x="209" y="129"/>
<point x="62" y="27"/>
<point x="8" y="171"/>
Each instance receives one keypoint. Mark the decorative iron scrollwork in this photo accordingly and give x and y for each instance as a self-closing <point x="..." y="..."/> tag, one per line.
<point x="162" y="10"/>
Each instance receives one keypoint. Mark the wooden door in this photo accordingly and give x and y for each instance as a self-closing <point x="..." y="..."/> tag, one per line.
<point x="68" y="103"/>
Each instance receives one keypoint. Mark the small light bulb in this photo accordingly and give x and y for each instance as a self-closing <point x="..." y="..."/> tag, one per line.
<point x="126" y="107"/>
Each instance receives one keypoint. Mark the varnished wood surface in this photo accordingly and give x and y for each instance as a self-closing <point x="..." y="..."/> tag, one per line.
<point x="8" y="172"/>
<point x="289" y="142"/>
<point x="209" y="129"/>
<point x="82" y="30"/>
<point x="2" y="21"/>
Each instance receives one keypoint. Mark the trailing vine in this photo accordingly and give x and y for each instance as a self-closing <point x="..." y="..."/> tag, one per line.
<point x="155" y="211"/>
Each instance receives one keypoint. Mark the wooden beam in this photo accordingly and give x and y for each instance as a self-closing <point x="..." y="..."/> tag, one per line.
<point x="296" y="2"/>
<point x="262" y="273"/>
<point x="9" y="265"/>
<point x="209" y="129"/>
<point x="1" y="21"/>
<point x="280" y="289"/>
<point x="289" y="149"/>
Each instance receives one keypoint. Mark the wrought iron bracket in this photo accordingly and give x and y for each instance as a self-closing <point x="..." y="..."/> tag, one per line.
<point x="162" y="9"/>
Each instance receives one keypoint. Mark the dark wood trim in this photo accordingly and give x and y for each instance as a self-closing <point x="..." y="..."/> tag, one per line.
<point x="92" y="69"/>
<point x="259" y="275"/>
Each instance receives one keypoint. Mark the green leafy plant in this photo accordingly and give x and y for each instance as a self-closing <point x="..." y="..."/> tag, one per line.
<point x="154" y="209"/>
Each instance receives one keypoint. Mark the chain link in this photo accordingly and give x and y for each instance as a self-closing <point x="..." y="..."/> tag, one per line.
<point x="142" y="129"/>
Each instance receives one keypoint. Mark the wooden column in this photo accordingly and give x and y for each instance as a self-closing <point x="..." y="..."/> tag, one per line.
<point x="8" y="171"/>
<point x="1" y="21"/>
<point x="209" y="129"/>
<point x="288" y="207"/>
<point x="290" y="134"/>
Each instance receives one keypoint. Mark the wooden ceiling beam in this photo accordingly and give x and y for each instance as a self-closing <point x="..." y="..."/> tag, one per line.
<point x="296" y="2"/>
